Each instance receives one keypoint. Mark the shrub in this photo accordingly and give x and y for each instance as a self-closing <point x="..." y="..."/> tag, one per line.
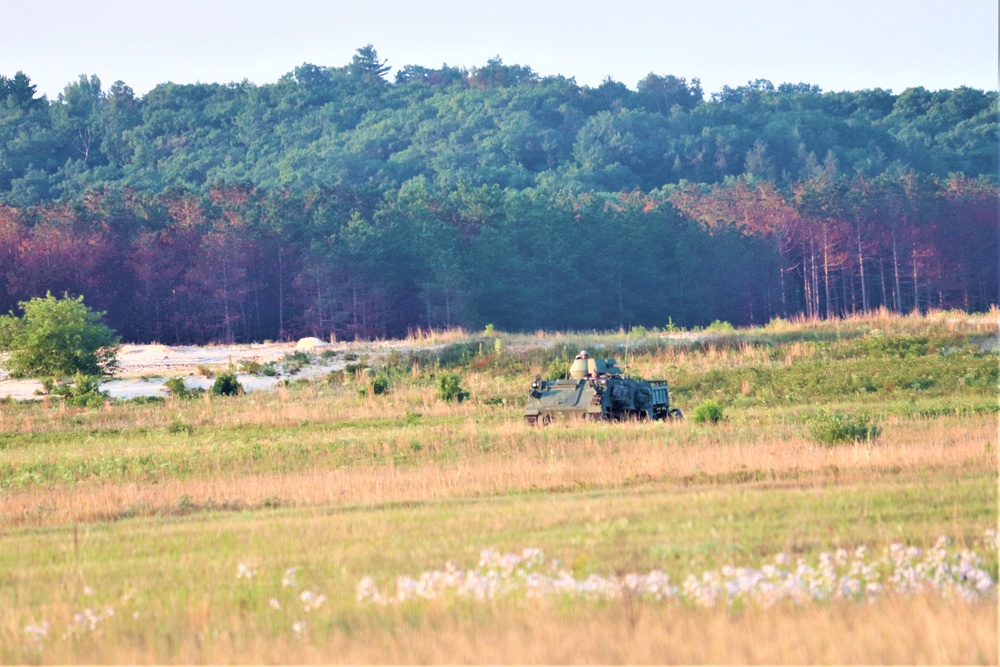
<point x="294" y="361"/>
<point x="380" y="384"/>
<point x="355" y="368"/>
<point x="179" y="426"/>
<point x="708" y="411"/>
<point x="557" y="368"/>
<point x="226" y="384"/>
<point x="175" y="386"/>
<point x="146" y="400"/>
<point x="85" y="392"/>
<point x="251" y="367"/>
<point x="639" y="331"/>
<point x="334" y="377"/>
<point x="449" y="387"/>
<point x="720" y="326"/>
<point x="833" y="429"/>
<point x="58" y="337"/>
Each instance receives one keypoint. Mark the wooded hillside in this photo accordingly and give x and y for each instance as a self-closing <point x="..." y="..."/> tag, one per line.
<point x="336" y="201"/>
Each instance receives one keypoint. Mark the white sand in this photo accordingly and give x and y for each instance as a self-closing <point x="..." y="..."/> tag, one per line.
<point x="143" y="369"/>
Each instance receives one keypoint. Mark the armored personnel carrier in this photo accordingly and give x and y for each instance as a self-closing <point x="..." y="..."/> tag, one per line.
<point x="597" y="389"/>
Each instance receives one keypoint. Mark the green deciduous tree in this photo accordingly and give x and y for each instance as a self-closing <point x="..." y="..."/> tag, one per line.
<point x="58" y="337"/>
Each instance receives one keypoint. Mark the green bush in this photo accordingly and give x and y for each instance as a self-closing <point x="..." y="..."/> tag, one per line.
<point x="708" y="411"/>
<point x="557" y="368"/>
<point x="58" y="337"/>
<point x="834" y="429"/>
<point x="85" y="392"/>
<point x="226" y="384"/>
<point x="175" y="386"/>
<point x="449" y="387"/>
<point x="380" y="384"/>
<point x="354" y="368"/>
<point x="146" y="400"/>
<point x="720" y="326"/>
<point x="251" y="367"/>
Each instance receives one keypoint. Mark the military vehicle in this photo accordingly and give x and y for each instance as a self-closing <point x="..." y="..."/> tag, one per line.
<point x="597" y="389"/>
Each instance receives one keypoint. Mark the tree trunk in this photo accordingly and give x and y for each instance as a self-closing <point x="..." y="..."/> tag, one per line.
<point x="826" y="274"/>
<point x="861" y="265"/>
<point x="781" y="279"/>
<point x="881" y="273"/>
<point x="281" y="296"/>
<point x="898" y="296"/>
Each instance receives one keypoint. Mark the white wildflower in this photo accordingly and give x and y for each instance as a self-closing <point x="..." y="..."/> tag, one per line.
<point x="37" y="631"/>
<point x="311" y="600"/>
<point x="838" y="575"/>
<point x="245" y="571"/>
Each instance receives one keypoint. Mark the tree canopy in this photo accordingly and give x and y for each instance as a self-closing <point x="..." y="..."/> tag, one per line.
<point x="335" y="201"/>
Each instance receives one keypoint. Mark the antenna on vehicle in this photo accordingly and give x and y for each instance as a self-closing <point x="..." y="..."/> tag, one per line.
<point x="628" y="333"/>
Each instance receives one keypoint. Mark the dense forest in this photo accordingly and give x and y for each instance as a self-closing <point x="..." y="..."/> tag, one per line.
<point x="338" y="201"/>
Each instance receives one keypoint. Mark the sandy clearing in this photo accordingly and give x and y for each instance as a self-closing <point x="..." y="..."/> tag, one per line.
<point x="143" y="369"/>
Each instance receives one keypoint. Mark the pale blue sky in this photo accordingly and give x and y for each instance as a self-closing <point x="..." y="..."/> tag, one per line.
<point x="835" y="44"/>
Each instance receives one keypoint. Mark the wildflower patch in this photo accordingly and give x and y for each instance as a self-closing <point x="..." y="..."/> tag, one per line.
<point x="955" y="574"/>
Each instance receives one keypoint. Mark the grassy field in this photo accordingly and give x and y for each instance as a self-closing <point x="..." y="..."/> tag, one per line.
<point x="247" y="529"/>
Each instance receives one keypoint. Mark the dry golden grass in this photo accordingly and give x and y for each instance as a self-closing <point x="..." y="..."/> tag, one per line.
<point x="934" y="632"/>
<point x="520" y="458"/>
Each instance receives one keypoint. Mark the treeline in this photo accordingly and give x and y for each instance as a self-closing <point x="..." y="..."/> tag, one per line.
<point x="336" y="202"/>
<point x="243" y="264"/>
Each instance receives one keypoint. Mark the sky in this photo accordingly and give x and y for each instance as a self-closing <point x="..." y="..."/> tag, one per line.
<point x="835" y="44"/>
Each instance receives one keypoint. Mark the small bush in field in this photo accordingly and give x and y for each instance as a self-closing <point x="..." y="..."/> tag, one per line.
<point x="175" y="386"/>
<point x="449" y="387"/>
<point x="720" y="326"/>
<point x="85" y="392"/>
<point x="708" y="411"/>
<point x="146" y="400"/>
<point x="251" y="367"/>
<point x="380" y="385"/>
<point x="557" y="369"/>
<point x="834" y="429"/>
<point x="226" y="384"/>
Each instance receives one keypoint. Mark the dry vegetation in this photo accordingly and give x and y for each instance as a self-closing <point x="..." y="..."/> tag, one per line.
<point x="151" y="509"/>
<point x="507" y="457"/>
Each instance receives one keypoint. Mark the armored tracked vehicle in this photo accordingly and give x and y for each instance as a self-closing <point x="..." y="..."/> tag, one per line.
<point x="597" y="389"/>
